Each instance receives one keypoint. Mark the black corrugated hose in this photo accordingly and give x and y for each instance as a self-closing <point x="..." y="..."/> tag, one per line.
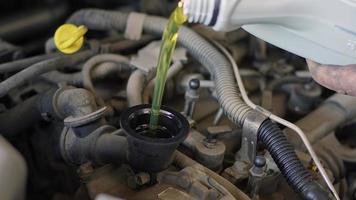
<point x="227" y="94"/>
<point x="286" y="159"/>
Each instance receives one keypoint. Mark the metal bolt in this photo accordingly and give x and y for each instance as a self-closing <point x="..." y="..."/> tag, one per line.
<point x="258" y="167"/>
<point x="194" y="84"/>
<point x="260" y="161"/>
<point x="213" y="134"/>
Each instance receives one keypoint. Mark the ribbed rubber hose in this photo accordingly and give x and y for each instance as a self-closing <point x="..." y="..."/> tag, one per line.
<point x="218" y="66"/>
<point x="199" y="48"/>
<point x="225" y="85"/>
<point x="288" y="163"/>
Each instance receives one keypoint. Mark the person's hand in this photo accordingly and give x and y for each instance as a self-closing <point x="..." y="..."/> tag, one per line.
<point x="341" y="79"/>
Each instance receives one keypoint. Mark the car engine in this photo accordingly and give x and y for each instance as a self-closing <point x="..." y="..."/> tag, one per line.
<point x="242" y="119"/>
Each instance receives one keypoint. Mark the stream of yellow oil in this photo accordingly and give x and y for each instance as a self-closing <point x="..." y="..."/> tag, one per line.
<point x="169" y="41"/>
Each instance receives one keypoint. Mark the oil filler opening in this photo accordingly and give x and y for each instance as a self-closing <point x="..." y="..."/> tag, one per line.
<point x="152" y="152"/>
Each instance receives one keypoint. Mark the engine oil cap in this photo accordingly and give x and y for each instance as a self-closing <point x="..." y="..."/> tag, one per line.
<point x="69" y="38"/>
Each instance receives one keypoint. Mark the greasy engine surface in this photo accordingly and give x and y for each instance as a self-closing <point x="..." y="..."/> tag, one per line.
<point x="69" y="122"/>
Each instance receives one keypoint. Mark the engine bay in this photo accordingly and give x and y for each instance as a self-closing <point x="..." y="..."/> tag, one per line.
<point x="241" y="119"/>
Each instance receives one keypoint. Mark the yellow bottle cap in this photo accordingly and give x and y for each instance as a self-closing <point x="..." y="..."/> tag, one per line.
<point x="69" y="38"/>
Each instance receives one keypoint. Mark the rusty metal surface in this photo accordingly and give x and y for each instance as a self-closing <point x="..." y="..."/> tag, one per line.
<point x="189" y="183"/>
<point x="114" y="181"/>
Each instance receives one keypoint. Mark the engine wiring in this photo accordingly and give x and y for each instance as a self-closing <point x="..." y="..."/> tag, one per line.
<point x="279" y="120"/>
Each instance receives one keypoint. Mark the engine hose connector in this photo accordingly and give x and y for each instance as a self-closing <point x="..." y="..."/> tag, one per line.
<point x="290" y="166"/>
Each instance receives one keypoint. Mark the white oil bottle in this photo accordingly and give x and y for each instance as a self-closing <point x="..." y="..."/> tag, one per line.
<point x="321" y="30"/>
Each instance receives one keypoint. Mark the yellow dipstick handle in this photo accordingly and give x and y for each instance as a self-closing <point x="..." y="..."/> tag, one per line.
<point x="69" y="38"/>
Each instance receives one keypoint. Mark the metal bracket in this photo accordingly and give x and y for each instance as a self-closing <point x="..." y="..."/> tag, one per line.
<point x="249" y="135"/>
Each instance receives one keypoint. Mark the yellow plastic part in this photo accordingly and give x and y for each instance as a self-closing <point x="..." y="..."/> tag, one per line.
<point x="69" y="38"/>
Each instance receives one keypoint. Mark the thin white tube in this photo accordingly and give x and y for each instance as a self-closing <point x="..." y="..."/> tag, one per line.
<point x="277" y="119"/>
